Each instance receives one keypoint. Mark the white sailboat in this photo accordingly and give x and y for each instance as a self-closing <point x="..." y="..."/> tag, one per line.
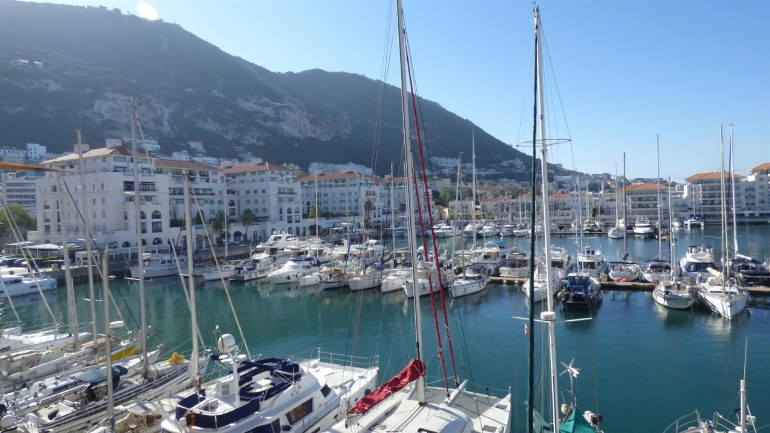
<point x="719" y="292"/>
<point x="471" y="280"/>
<point x="672" y="292"/>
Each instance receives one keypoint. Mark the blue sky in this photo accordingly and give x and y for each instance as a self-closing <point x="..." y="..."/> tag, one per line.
<point x="625" y="70"/>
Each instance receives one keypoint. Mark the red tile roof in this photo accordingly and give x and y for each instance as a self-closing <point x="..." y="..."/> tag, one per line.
<point x="712" y="175"/>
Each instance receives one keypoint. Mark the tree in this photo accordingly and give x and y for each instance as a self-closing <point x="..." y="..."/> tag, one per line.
<point x="247" y="218"/>
<point x="20" y="217"/>
<point x="447" y="195"/>
<point x="368" y="206"/>
<point x="218" y="224"/>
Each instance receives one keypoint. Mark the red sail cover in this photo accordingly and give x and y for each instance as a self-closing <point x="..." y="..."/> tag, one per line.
<point x="409" y="374"/>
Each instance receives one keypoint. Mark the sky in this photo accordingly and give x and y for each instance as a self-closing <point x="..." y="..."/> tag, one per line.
<point x="621" y="72"/>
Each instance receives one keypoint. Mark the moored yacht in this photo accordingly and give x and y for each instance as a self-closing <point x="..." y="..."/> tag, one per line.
<point x="291" y="271"/>
<point x="643" y="228"/>
<point x="696" y="262"/>
<point x="581" y="290"/>
<point x="272" y="394"/>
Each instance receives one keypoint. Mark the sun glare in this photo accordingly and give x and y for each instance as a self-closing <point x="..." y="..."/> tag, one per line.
<point x="147" y="11"/>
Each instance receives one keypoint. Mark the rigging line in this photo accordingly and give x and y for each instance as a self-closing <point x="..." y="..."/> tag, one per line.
<point x="216" y="263"/>
<point x="415" y="289"/>
<point x="386" y="57"/>
<point x="30" y="261"/>
<point x="186" y="290"/>
<point x="418" y="109"/>
<point x="99" y="268"/>
<point x="556" y="86"/>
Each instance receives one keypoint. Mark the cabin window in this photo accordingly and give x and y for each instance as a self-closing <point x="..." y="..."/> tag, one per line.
<point x="300" y="411"/>
<point x="326" y="390"/>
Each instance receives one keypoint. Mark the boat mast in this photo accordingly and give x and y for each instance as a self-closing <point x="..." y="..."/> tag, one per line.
<point x="657" y="188"/>
<point x="107" y="343"/>
<point x="473" y="191"/>
<point x="532" y="218"/>
<point x="671" y="241"/>
<point x="67" y="271"/>
<point x="548" y="315"/>
<point x="723" y="205"/>
<point x="625" y="222"/>
<point x="139" y="243"/>
<point x="410" y="191"/>
<point x="732" y="191"/>
<point x="316" y="203"/>
<point x="87" y="213"/>
<point x="194" y="373"/>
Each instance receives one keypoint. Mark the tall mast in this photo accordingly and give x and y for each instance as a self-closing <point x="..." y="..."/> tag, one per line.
<point x="732" y="193"/>
<point x="139" y="243"/>
<point x="671" y="233"/>
<point x="625" y="223"/>
<point x="547" y="315"/>
<point x="473" y="191"/>
<point x="410" y="191"/>
<point x="191" y="278"/>
<point x="723" y="205"/>
<point x="67" y="271"/>
<point x="315" y="193"/>
<point x="657" y="188"/>
<point x="532" y="221"/>
<point x="87" y="232"/>
<point x="107" y="342"/>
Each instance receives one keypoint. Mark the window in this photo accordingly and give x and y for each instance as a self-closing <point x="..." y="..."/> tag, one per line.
<point x="156" y="215"/>
<point x="157" y="226"/>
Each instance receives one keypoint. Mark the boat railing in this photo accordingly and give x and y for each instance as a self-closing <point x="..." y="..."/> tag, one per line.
<point x="690" y="420"/>
<point x="494" y="393"/>
<point x="337" y="358"/>
<point x="347" y="360"/>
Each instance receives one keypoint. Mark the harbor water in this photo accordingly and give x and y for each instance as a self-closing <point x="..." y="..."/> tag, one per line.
<point x="641" y="366"/>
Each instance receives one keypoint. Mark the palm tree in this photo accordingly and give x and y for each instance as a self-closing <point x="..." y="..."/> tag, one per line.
<point x="247" y="217"/>
<point x="218" y="224"/>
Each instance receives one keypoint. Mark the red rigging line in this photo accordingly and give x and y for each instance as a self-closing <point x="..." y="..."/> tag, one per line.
<point x="435" y="248"/>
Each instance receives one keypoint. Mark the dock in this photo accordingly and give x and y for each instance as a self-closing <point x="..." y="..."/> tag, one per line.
<point x="632" y="286"/>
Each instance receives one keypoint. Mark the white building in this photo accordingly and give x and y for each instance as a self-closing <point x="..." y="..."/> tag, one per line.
<point x="19" y="189"/>
<point x="108" y="204"/>
<point x="272" y="195"/>
<point x="208" y="189"/>
<point x="35" y="152"/>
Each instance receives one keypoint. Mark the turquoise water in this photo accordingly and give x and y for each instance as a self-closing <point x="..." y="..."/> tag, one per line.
<point x="641" y="366"/>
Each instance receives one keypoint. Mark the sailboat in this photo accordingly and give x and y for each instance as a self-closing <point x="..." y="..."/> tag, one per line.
<point x="405" y="403"/>
<point x="672" y="292"/>
<point x="570" y="420"/>
<point x="617" y="231"/>
<point x="472" y="280"/>
<point x="719" y="292"/>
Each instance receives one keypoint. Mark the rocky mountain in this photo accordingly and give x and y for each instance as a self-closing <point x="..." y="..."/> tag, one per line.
<point x="64" y="67"/>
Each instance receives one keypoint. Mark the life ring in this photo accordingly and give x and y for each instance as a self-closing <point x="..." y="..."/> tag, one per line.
<point x="189" y="417"/>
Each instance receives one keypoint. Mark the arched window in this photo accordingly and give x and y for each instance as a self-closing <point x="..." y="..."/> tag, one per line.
<point x="157" y="241"/>
<point x="126" y="244"/>
<point x="144" y="242"/>
<point x="296" y="210"/>
<point x="156" y="215"/>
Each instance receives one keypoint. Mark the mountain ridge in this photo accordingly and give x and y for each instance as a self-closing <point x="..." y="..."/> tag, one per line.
<point x="94" y="59"/>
